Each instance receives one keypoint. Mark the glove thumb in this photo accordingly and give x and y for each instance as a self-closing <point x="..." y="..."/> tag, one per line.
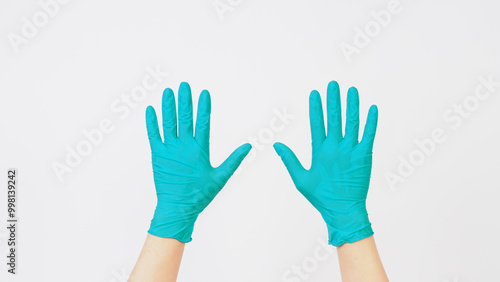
<point x="227" y="168"/>
<point x="292" y="164"/>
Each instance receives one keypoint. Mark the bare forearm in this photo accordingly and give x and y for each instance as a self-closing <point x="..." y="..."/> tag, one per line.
<point x="159" y="260"/>
<point x="360" y="261"/>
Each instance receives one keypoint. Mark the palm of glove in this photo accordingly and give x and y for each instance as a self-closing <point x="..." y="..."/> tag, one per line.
<point x="185" y="180"/>
<point x="337" y="182"/>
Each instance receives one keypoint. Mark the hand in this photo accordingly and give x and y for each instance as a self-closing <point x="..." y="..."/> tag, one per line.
<point x="185" y="180"/>
<point x="337" y="182"/>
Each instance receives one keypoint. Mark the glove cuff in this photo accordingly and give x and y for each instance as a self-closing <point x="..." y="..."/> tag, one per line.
<point x="337" y="237"/>
<point x="176" y="227"/>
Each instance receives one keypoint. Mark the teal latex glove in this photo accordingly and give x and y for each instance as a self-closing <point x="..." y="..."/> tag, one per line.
<point x="185" y="180"/>
<point x="337" y="182"/>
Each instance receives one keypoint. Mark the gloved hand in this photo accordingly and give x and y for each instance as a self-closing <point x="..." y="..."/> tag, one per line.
<point x="337" y="182"/>
<point x="185" y="180"/>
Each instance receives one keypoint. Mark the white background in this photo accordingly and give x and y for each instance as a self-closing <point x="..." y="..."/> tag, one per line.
<point x="259" y="57"/>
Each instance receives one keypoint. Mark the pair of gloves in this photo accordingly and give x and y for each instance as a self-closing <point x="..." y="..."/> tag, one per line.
<point x="336" y="184"/>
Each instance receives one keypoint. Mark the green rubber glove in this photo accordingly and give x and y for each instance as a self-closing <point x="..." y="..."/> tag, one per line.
<point x="185" y="180"/>
<point x="337" y="182"/>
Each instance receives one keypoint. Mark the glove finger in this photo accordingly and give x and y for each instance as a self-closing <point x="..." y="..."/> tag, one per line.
<point x="317" y="121"/>
<point x="334" y="111"/>
<point x="185" y="111"/>
<point x="352" y="118"/>
<point x="202" y="132"/>
<point x="152" y="128"/>
<point x="169" y="115"/>
<point x="370" y="128"/>
<point x="227" y="168"/>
